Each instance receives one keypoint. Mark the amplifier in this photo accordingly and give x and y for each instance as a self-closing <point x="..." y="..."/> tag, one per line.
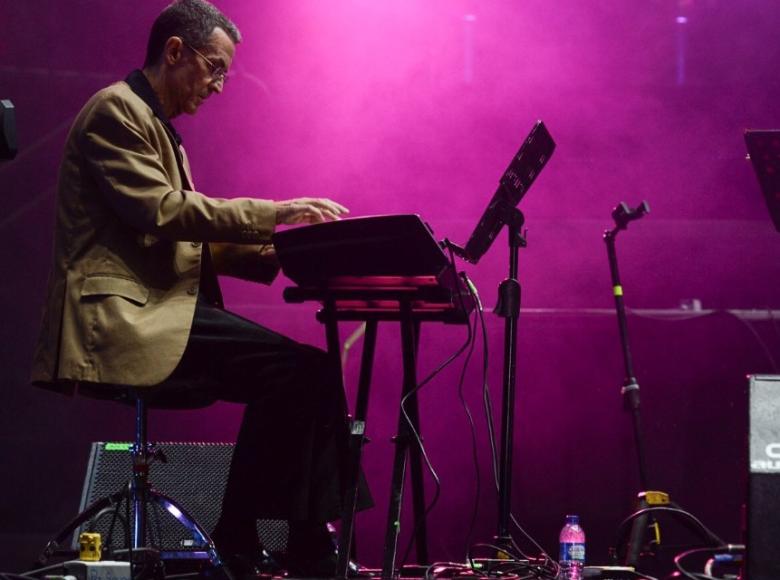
<point x="763" y="502"/>
<point x="194" y="476"/>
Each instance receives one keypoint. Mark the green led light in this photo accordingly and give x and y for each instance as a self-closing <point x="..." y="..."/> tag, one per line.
<point x="118" y="446"/>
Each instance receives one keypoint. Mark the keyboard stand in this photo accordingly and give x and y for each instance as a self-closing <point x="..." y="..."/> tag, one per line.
<point x="374" y="305"/>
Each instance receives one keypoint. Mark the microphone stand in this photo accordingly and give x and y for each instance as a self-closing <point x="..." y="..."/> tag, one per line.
<point x="630" y="389"/>
<point x="648" y="502"/>
<point x="622" y="215"/>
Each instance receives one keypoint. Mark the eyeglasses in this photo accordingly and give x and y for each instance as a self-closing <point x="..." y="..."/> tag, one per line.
<point x="218" y="73"/>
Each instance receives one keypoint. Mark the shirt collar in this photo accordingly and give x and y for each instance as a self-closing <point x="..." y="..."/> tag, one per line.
<point x="141" y="87"/>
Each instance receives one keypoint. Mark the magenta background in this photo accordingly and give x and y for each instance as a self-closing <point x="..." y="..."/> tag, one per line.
<point x="403" y="106"/>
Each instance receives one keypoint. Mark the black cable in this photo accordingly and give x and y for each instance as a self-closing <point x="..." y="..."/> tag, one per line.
<point x="515" y="563"/>
<point x="493" y="548"/>
<point x="114" y="511"/>
<point x="437" y="493"/>
<point x="142" y="552"/>
<point x="38" y="571"/>
<point x="115" y="515"/>
<point x="730" y="548"/>
<point x="407" y="418"/>
<point x="472" y="428"/>
<point x="488" y="407"/>
<point x="688" y="518"/>
<point x="548" y="560"/>
<point x="437" y="568"/>
<point x="486" y="402"/>
<point x="549" y="568"/>
<point x="418" y="438"/>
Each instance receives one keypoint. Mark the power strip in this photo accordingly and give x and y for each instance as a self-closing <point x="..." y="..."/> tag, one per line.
<point x="105" y="570"/>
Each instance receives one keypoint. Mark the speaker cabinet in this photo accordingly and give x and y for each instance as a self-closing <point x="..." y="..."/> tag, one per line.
<point x="763" y="513"/>
<point x="194" y="475"/>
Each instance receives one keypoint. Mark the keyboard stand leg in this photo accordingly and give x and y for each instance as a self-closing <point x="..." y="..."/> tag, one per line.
<point x="356" y="441"/>
<point x="416" y="467"/>
<point x="404" y="441"/>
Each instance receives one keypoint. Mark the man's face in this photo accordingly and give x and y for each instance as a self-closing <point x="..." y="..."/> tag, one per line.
<point x="194" y="81"/>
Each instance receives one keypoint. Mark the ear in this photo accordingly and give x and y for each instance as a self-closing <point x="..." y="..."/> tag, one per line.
<point x="173" y="50"/>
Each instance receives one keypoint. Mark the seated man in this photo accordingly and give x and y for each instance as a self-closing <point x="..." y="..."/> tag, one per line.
<point x="133" y="298"/>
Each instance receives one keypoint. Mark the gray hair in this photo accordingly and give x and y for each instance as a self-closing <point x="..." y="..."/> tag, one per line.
<point x="193" y="20"/>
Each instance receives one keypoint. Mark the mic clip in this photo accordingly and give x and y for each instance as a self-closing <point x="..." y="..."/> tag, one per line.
<point x="623" y="214"/>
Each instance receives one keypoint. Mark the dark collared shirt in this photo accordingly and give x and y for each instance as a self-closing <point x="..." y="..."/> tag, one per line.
<point x="141" y="87"/>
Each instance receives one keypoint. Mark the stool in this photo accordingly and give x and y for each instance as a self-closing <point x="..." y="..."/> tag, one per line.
<point x="139" y="491"/>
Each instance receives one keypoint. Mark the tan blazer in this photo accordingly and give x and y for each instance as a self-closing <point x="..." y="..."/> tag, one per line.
<point x="128" y="246"/>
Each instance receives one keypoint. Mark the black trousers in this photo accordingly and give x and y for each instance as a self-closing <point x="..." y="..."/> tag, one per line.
<point x="290" y="456"/>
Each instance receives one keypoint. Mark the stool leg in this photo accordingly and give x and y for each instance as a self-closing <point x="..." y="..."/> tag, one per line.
<point x="53" y="546"/>
<point x="139" y="493"/>
<point x="140" y="482"/>
<point x="199" y="533"/>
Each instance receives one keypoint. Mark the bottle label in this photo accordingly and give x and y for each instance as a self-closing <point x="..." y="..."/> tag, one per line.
<point x="572" y="552"/>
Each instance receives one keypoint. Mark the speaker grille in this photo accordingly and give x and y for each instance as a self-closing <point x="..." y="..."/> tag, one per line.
<point x="194" y="476"/>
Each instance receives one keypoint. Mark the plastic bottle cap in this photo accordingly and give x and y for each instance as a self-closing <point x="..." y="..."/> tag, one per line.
<point x="571" y="519"/>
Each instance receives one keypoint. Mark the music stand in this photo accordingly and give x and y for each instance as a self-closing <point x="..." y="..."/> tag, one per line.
<point x="764" y="153"/>
<point x="501" y="211"/>
<point x="517" y="179"/>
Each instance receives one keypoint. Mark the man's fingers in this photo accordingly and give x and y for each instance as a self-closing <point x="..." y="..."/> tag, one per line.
<point x="309" y="210"/>
<point x="313" y="215"/>
<point x="329" y="214"/>
<point x="339" y="209"/>
<point x="329" y="206"/>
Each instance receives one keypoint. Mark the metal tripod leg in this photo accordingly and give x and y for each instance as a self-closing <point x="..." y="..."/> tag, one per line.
<point x="113" y="502"/>
<point x="139" y="493"/>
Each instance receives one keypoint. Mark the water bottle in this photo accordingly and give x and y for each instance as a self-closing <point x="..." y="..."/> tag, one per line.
<point x="572" y="554"/>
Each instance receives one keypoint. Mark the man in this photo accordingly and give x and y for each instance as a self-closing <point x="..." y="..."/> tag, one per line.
<point x="133" y="298"/>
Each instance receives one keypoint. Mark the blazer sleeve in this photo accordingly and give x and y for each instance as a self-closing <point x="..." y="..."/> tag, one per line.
<point x="254" y="262"/>
<point x="124" y="153"/>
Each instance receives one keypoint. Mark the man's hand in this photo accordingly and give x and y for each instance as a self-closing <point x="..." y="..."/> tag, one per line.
<point x="308" y="210"/>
